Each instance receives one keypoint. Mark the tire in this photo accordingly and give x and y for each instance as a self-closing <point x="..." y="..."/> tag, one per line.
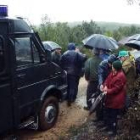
<point x="49" y="113"/>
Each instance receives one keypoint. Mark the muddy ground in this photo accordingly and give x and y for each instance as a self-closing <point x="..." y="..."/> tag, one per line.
<point x="69" y="118"/>
<point x="74" y="123"/>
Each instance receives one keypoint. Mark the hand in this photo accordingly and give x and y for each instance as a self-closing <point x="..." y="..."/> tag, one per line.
<point x="105" y="89"/>
<point x="101" y="87"/>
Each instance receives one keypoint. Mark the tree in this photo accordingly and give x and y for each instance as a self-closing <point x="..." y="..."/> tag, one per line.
<point x="91" y="28"/>
<point x="77" y="34"/>
<point x="116" y="35"/>
<point x="44" y="25"/>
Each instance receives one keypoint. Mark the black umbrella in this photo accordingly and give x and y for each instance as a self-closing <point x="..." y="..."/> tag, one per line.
<point x="50" y="45"/>
<point x="127" y="39"/>
<point x="101" y="42"/>
<point x="96" y="102"/>
<point x="135" y="37"/>
<point x="133" y="44"/>
<point x="123" y="41"/>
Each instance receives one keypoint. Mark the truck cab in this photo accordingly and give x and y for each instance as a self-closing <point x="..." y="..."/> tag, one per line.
<point x="31" y="86"/>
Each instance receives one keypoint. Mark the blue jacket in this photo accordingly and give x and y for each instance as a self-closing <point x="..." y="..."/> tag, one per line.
<point x="72" y="62"/>
<point x="103" y="71"/>
<point x="104" y="68"/>
<point x="104" y="56"/>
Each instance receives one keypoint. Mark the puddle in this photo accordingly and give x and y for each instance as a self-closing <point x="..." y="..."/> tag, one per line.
<point x="81" y="101"/>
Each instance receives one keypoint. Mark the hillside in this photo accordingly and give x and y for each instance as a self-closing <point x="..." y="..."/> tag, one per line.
<point x="105" y="25"/>
<point x="114" y="25"/>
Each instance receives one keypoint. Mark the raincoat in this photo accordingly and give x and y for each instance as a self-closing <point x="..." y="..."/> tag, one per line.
<point x="130" y="72"/>
<point x="116" y="92"/>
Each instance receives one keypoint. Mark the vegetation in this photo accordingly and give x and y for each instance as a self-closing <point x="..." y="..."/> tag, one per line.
<point x="63" y="33"/>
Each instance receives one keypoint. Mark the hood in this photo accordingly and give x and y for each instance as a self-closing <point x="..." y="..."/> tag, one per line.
<point x="71" y="46"/>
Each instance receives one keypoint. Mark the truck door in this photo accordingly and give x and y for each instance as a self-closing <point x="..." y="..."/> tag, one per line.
<point x="31" y="74"/>
<point x="6" y="116"/>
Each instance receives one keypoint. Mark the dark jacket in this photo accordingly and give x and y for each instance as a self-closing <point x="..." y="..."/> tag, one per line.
<point x="91" y="68"/>
<point x="105" y="68"/>
<point x="72" y="62"/>
<point x="116" y="92"/>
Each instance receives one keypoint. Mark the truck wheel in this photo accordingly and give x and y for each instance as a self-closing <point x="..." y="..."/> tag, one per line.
<point x="48" y="113"/>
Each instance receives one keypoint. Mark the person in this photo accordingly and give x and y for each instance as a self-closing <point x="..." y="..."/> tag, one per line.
<point x="130" y="72"/>
<point x="56" y="55"/>
<point x="115" y="89"/>
<point x="103" y="54"/>
<point x="137" y="81"/>
<point x="91" y="70"/>
<point x="79" y="50"/>
<point x="72" y="61"/>
<point x="132" y="58"/>
<point x="104" y="69"/>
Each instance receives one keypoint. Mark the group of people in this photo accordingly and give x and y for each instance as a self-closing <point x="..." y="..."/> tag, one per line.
<point x="72" y="61"/>
<point x="112" y="74"/>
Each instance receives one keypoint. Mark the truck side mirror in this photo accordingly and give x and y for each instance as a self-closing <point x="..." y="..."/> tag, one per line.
<point x="48" y="55"/>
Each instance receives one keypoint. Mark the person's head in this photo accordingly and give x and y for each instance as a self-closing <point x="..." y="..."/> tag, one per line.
<point x="111" y="59"/>
<point x="116" y="66"/>
<point x="71" y="46"/>
<point x="123" y="55"/>
<point x="95" y="51"/>
<point x="101" y="51"/>
<point x="58" y="50"/>
<point x="78" y="48"/>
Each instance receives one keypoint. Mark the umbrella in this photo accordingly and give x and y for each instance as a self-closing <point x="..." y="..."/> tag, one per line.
<point x="123" y="41"/>
<point x="136" y="54"/>
<point x="127" y="39"/>
<point x="100" y="41"/>
<point x="50" y="45"/>
<point x="113" y="40"/>
<point x="133" y="44"/>
<point x="96" y="102"/>
<point x="135" y="37"/>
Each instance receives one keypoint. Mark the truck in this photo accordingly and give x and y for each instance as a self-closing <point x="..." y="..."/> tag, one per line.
<point x="31" y="86"/>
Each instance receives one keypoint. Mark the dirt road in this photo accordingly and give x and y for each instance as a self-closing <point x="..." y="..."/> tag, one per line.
<point x="68" y="118"/>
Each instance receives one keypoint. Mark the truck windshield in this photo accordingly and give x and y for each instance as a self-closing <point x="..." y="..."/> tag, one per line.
<point x="2" y="66"/>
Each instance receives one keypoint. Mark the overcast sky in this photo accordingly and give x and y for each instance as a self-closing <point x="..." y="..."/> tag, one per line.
<point x="74" y="10"/>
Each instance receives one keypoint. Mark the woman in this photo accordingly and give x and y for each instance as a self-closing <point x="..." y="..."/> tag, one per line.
<point x="115" y="89"/>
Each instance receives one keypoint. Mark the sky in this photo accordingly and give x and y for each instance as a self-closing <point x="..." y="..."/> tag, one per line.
<point x="74" y="10"/>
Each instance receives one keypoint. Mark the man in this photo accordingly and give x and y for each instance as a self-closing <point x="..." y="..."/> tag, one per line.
<point x="79" y="50"/>
<point x="105" y="68"/>
<point x="130" y="72"/>
<point x="72" y="61"/>
<point x="104" y="54"/>
<point x="56" y="55"/>
<point x="91" y="76"/>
